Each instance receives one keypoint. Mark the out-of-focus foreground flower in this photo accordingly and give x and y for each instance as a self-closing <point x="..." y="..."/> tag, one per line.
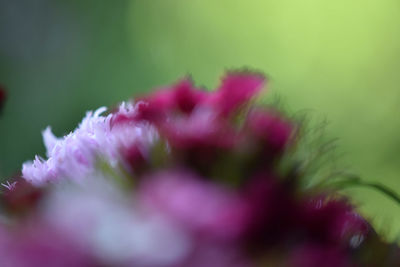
<point x="182" y="177"/>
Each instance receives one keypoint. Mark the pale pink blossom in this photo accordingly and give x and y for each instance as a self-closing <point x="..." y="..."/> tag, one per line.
<point x="114" y="229"/>
<point x="203" y="207"/>
<point x="74" y="156"/>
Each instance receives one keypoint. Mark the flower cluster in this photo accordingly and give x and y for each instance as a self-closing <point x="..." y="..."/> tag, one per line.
<point x="182" y="177"/>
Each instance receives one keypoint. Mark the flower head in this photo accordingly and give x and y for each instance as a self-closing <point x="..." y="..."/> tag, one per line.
<point x="74" y="156"/>
<point x="212" y="181"/>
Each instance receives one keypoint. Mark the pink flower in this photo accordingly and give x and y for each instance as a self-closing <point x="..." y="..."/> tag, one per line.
<point x="182" y="97"/>
<point x="201" y="129"/>
<point x="269" y="128"/>
<point x="187" y="98"/>
<point x="74" y="156"/>
<point x="203" y="207"/>
<point x="112" y="227"/>
<point x="333" y="222"/>
<point x="237" y="89"/>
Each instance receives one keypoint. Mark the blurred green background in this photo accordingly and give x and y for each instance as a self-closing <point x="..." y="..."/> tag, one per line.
<point x="339" y="59"/>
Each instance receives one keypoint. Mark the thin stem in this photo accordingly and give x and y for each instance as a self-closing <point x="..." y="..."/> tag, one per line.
<point x="354" y="181"/>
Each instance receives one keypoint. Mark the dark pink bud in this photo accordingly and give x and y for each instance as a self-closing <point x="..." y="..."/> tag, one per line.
<point x="149" y="111"/>
<point x="237" y="89"/>
<point x="181" y="97"/>
<point x="162" y="98"/>
<point x="154" y="107"/>
<point x="269" y="127"/>
<point x="187" y="97"/>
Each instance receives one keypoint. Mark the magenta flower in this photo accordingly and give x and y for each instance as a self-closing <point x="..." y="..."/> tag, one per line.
<point x="182" y="97"/>
<point x="271" y="129"/>
<point x="197" y="125"/>
<point x="237" y="89"/>
<point x="184" y="177"/>
<point x="202" y="129"/>
<point x="333" y="222"/>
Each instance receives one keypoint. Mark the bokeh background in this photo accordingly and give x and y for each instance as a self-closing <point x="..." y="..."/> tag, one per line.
<point x="337" y="59"/>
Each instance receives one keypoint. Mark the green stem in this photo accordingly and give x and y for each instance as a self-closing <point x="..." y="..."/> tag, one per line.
<point x="356" y="181"/>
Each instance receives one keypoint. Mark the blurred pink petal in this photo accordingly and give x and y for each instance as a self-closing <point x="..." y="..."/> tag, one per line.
<point x="237" y="89"/>
<point x="204" y="207"/>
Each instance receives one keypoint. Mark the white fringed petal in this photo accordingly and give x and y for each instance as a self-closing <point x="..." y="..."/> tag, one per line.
<point x="74" y="155"/>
